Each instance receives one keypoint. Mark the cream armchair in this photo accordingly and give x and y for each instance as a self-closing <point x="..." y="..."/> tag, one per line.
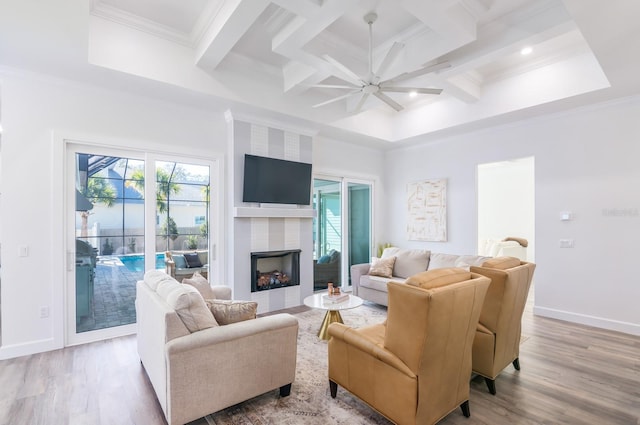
<point x="197" y="367"/>
<point x="497" y="340"/>
<point x="415" y="367"/>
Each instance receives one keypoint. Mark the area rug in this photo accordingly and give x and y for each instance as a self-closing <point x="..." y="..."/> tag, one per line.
<point x="309" y="402"/>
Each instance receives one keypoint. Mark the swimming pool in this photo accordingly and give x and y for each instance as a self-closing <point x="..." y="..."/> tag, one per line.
<point x="135" y="262"/>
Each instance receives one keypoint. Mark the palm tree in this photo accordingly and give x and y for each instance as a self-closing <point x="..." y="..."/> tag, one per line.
<point x="165" y="187"/>
<point x="98" y="191"/>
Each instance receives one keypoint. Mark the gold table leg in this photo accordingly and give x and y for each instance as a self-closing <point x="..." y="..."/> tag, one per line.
<point x="332" y="316"/>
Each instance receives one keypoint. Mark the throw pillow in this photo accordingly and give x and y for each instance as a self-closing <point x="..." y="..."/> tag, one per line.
<point x="180" y="261"/>
<point x="334" y="256"/>
<point x="522" y="241"/>
<point x="154" y="277"/>
<point x="382" y="267"/>
<point x="324" y="259"/>
<point x="192" y="260"/>
<point x="188" y="304"/>
<point x="227" y="312"/>
<point x="201" y="284"/>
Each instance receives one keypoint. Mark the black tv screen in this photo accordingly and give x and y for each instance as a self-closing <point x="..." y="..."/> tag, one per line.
<point x="276" y="181"/>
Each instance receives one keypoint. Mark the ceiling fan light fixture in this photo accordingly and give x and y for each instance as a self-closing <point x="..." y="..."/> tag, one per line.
<point x="371" y="84"/>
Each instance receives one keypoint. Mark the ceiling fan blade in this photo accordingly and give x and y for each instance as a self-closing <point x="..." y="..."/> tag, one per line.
<point x="387" y="61"/>
<point x="334" y="86"/>
<point x="386" y="99"/>
<point x="418" y="72"/>
<point x="353" y="78"/>
<point x="336" y="99"/>
<point x="363" y="99"/>
<point x="411" y="89"/>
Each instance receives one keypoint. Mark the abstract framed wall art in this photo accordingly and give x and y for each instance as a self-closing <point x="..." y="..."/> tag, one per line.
<point x="427" y="210"/>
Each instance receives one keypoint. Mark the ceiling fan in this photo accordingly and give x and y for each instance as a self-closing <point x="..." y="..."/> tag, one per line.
<point x="371" y="84"/>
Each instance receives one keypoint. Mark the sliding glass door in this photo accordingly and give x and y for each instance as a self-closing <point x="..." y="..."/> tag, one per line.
<point x="342" y="235"/>
<point x="327" y="242"/>
<point x="121" y="226"/>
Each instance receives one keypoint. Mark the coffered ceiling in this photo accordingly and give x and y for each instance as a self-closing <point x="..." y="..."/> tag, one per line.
<point x="270" y="56"/>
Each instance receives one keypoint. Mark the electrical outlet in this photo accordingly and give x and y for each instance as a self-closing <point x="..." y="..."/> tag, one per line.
<point x="44" y="312"/>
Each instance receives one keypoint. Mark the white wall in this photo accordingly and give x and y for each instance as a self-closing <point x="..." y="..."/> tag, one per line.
<point x="586" y="163"/>
<point x="33" y="107"/>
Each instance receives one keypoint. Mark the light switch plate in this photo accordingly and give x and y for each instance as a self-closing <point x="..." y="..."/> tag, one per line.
<point x="566" y="243"/>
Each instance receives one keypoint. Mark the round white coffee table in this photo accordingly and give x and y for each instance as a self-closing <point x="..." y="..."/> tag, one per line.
<point x="333" y="310"/>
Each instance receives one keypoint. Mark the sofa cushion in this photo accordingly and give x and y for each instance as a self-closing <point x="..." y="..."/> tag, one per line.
<point x="376" y="282"/>
<point x="439" y="277"/>
<point x="410" y="262"/>
<point x="153" y="278"/>
<point x="502" y="263"/>
<point x="188" y="305"/>
<point x="227" y="311"/>
<point x="441" y="261"/>
<point x="382" y="266"/>
<point x="201" y="284"/>
<point x="193" y="260"/>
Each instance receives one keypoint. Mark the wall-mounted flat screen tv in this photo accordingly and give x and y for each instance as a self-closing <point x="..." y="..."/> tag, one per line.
<point x="276" y="181"/>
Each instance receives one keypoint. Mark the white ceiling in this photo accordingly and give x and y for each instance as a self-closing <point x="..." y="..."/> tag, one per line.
<point x="263" y="56"/>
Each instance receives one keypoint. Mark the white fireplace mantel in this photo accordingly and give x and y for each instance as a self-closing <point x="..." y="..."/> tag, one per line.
<point x="249" y="212"/>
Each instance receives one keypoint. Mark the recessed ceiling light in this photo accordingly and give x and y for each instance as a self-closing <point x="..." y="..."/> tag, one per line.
<point x="526" y="50"/>
<point x="413" y="93"/>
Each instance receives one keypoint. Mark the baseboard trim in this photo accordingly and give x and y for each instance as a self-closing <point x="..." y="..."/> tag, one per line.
<point x="19" y="350"/>
<point x="584" y="319"/>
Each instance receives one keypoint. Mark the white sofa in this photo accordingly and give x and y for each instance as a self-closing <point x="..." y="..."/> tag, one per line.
<point x="408" y="262"/>
<point x="200" y="371"/>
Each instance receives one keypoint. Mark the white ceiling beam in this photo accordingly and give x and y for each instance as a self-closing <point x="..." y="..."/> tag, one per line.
<point x="307" y="9"/>
<point x="290" y="41"/>
<point x="466" y="87"/>
<point x="450" y="20"/>
<point x="228" y="26"/>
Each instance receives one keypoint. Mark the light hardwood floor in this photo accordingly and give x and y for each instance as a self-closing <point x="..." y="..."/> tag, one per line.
<point x="571" y="374"/>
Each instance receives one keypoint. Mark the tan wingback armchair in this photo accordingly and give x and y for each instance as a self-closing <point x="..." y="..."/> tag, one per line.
<point x="415" y="367"/>
<point x="497" y="340"/>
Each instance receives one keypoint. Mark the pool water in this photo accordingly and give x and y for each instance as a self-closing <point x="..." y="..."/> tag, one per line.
<point x="135" y="263"/>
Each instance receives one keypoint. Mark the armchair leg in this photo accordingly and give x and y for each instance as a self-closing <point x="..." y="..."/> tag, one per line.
<point x="333" y="388"/>
<point x="516" y="363"/>
<point x="465" y="409"/>
<point x="285" y="390"/>
<point x="491" y="384"/>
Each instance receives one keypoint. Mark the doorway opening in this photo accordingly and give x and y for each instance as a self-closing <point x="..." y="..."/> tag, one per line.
<point x="506" y="208"/>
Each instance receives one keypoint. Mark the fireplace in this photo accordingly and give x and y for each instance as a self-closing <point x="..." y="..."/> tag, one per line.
<point x="275" y="269"/>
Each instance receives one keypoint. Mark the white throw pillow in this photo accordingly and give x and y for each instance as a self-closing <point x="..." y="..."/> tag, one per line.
<point x="188" y="305"/>
<point x="382" y="267"/>
<point x="201" y="284"/>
